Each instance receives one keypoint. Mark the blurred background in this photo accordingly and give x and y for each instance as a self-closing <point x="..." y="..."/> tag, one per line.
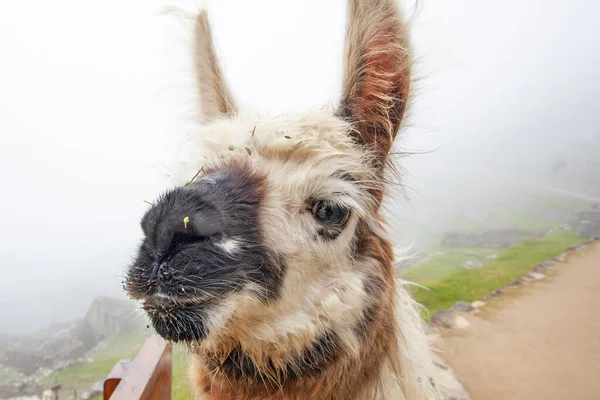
<point x="501" y="151"/>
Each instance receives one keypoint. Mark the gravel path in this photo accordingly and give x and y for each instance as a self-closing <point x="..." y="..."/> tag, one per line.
<point x="537" y="341"/>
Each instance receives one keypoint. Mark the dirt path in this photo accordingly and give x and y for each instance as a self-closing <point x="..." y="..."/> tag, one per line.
<point x="538" y="341"/>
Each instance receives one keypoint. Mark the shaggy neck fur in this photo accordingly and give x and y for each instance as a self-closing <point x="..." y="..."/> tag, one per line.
<point x="324" y="369"/>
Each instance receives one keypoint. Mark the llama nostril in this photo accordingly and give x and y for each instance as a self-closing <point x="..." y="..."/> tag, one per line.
<point x="165" y="274"/>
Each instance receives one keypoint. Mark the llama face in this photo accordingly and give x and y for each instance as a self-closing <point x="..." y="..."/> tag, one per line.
<point x="277" y="241"/>
<point x="267" y="230"/>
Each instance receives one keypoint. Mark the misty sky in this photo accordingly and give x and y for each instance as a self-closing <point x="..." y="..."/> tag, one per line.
<point x="89" y="92"/>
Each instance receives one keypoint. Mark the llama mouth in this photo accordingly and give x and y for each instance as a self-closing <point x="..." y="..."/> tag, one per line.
<point x="178" y="319"/>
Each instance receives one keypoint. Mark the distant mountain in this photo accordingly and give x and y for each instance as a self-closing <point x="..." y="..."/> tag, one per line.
<point x="60" y="344"/>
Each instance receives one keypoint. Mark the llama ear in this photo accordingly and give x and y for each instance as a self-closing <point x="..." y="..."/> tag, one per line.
<point x="215" y="99"/>
<point x="376" y="73"/>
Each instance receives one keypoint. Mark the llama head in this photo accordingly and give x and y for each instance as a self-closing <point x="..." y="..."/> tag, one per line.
<point x="277" y="244"/>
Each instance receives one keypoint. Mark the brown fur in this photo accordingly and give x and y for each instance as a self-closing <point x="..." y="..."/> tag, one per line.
<point x="377" y="77"/>
<point x="346" y="377"/>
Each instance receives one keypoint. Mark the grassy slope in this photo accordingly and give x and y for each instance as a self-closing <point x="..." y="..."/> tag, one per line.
<point x="181" y="389"/>
<point x="82" y="376"/>
<point x="470" y="285"/>
<point x="7" y="374"/>
<point x="445" y="263"/>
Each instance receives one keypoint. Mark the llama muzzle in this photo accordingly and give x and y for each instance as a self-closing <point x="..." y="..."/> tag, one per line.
<point x="202" y="245"/>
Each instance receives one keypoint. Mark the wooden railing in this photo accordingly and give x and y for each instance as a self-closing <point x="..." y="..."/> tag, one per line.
<point x="146" y="377"/>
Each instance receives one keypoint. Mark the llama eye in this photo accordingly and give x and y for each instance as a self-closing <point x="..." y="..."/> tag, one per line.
<point x="330" y="213"/>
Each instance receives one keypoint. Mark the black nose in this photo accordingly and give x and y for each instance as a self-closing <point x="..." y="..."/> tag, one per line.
<point x="182" y="216"/>
<point x="187" y="228"/>
<point x="205" y="224"/>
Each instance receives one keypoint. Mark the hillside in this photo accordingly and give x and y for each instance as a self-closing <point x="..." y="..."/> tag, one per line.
<point x="82" y="376"/>
<point x="480" y="256"/>
<point x="70" y="351"/>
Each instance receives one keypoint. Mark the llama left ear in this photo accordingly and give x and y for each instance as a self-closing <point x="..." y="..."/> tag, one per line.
<point x="377" y="73"/>
<point x="216" y="100"/>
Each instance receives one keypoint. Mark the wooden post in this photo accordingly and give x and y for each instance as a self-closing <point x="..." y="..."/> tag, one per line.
<point x="114" y="378"/>
<point x="147" y="377"/>
<point x="56" y="390"/>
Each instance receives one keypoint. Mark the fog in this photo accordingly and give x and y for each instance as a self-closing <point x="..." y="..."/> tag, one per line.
<point x="90" y="91"/>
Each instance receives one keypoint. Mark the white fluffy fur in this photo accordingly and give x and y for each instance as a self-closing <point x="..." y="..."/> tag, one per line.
<point x="323" y="288"/>
<point x="229" y="245"/>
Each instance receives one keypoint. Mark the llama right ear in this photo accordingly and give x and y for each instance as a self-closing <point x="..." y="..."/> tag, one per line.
<point x="376" y="73"/>
<point x="216" y="100"/>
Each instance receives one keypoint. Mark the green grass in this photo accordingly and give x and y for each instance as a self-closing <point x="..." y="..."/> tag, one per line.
<point x="82" y="376"/>
<point x="514" y="219"/>
<point x="473" y="284"/>
<point x="181" y="390"/>
<point x="8" y="374"/>
<point x="125" y="345"/>
<point x="438" y="266"/>
<point x="504" y="214"/>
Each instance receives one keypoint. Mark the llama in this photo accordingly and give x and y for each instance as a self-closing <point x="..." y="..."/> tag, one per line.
<point x="273" y="264"/>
